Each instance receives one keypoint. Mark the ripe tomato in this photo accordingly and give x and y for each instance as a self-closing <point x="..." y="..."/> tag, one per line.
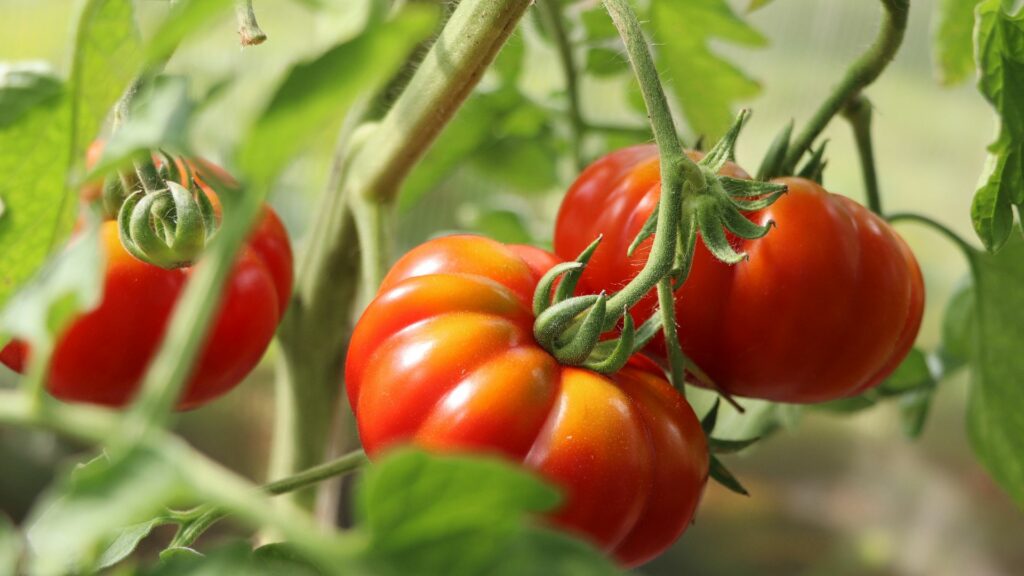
<point x="445" y="357"/>
<point x="827" y="306"/>
<point x="103" y="355"/>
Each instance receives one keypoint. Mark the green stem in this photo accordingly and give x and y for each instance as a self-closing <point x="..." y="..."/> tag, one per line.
<point x="861" y="74"/>
<point x="676" y="167"/>
<point x="551" y="15"/>
<point x="859" y="114"/>
<point x="90" y="424"/>
<point x="371" y="227"/>
<point x="465" y="48"/>
<point x="632" y="131"/>
<point x="969" y="251"/>
<point x="667" y="305"/>
<point x="209" y="515"/>
<point x="312" y="350"/>
<point x="249" y="30"/>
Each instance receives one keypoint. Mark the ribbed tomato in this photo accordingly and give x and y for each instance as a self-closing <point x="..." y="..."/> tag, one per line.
<point x="445" y="358"/>
<point x="827" y="306"/>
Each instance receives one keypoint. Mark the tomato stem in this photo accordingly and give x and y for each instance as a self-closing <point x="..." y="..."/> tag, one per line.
<point x="859" y="112"/>
<point x="249" y="30"/>
<point x="969" y="251"/>
<point x="667" y="305"/>
<point x="860" y="75"/>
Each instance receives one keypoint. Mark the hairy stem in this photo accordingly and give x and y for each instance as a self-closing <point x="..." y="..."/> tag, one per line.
<point x="667" y="304"/>
<point x="676" y="168"/>
<point x="860" y="75"/>
<point x="859" y="113"/>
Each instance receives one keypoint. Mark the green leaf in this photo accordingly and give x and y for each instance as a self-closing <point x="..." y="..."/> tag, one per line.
<point x="464" y="516"/>
<point x="235" y="558"/>
<point x="126" y="541"/>
<point x="34" y="147"/>
<point x="705" y="84"/>
<point x="508" y="225"/>
<point x="24" y="86"/>
<point x="1000" y="41"/>
<point x="598" y="25"/>
<point x="159" y="120"/>
<point x="420" y="510"/>
<point x="996" y="399"/>
<point x="912" y="373"/>
<point x="957" y="329"/>
<point x="71" y="526"/>
<point x="281" y="558"/>
<point x="758" y="4"/>
<point x="952" y="44"/>
<point x="10" y="547"/>
<point x="315" y="95"/>
<point x="107" y="57"/>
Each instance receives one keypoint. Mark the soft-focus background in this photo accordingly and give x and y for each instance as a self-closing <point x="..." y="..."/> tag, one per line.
<point x="832" y="495"/>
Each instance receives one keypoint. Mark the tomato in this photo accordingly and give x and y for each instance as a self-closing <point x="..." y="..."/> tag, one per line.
<point x="103" y="355"/>
<point x="827" y="306"/>
<point x="445" y="358"/>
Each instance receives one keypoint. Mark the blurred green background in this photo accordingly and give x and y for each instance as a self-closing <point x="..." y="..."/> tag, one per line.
<point x="834" y="495"/>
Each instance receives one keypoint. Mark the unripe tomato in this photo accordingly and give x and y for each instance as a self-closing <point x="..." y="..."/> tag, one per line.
<point x="827" y="306"/>
<point x="102" y="356"/>
<point x="445" y="358"/>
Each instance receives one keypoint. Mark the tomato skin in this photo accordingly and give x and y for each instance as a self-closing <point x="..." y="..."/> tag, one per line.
<point x="827" y="306"/>
<point x="103" y="355"/>
<point x="445" y="358"/>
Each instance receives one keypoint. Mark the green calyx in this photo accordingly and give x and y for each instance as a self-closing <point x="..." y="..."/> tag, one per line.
<point x="167" y="226"/>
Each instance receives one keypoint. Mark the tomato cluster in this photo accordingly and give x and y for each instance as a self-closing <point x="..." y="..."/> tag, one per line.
<point x="102" y="356"/>
<point x="827" y="306"/>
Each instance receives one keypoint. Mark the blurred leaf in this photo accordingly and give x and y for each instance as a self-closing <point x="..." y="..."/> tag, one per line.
<point x="74" y="522"/>
<point x="126" y="541"/>
<point x="107" y="57"/>
<point x="705" y="84"/>
<point x="598" y="25"/>
<point x="159" y="119"/>
<point x="10" y="546"/>
<point x="847" y="405"/>
<point x="957" y="329"/>
<point x="606" y="62"/>
<point x="504" y="225"/>
<point x="1000" y="40"/>
<point x="24" y="86"/>
<point x="719" y="446"/>
<point x="184" y="19"/>
<point x="996" y="401"/>
<point x="760" y="420"/>
<point x="914" y="409"/>
<point x="280" y="558"/>
<point x="463" y="516"/>
<point x="912" y="373"/>
<point x="71" y="282"/>
<point x="315" y="95"/>
<point x="952" y="40"/>
<point x="33" y="159"/>
<point x="528" y="164"/>
<point x="236" y="558"/>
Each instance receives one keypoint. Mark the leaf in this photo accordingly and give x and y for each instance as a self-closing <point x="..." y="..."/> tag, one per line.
<point x="952" y="43"/>
<point x="22" y="87"/>
<point x="603" y="62"/>
<point x="758" y="4"/>
<point x="957" y="329"/>
<point x="126" y="541"/>
<point x="463" y="516"/>
<point x="1000" y="45"/>
<point x="10" y="547"/>
<point x="911" y="374"/>
<point x="705" y="84"/>
<point x="280" y="558"/>
<point x="315" y="95"/>
<point x="234" y="558"/>
<point x="159" y="120"/>
<point x="71" y="526"/>
<point x="107" y="57"/>
<point x="719" y="473"/>
<point x="33" y="159"/>
<point x="995" y="414"/>
<point x="71" y="282"/>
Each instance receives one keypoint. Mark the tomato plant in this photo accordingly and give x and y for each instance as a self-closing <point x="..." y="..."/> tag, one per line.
<point x="489" y="406"/>
<point x="779" y="325"/>
<point x="445" y="357"/>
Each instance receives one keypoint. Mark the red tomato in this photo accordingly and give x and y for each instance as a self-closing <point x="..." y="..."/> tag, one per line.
<point x="445" y="357"/>
<point x="103" y="355"/>
<point x="827" y="306"/>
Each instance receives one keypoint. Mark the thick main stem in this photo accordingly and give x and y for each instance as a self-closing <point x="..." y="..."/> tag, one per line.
<point x="313" y="349"/>
<point x="676" y="167"/>
<point x="861" y="74"/>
